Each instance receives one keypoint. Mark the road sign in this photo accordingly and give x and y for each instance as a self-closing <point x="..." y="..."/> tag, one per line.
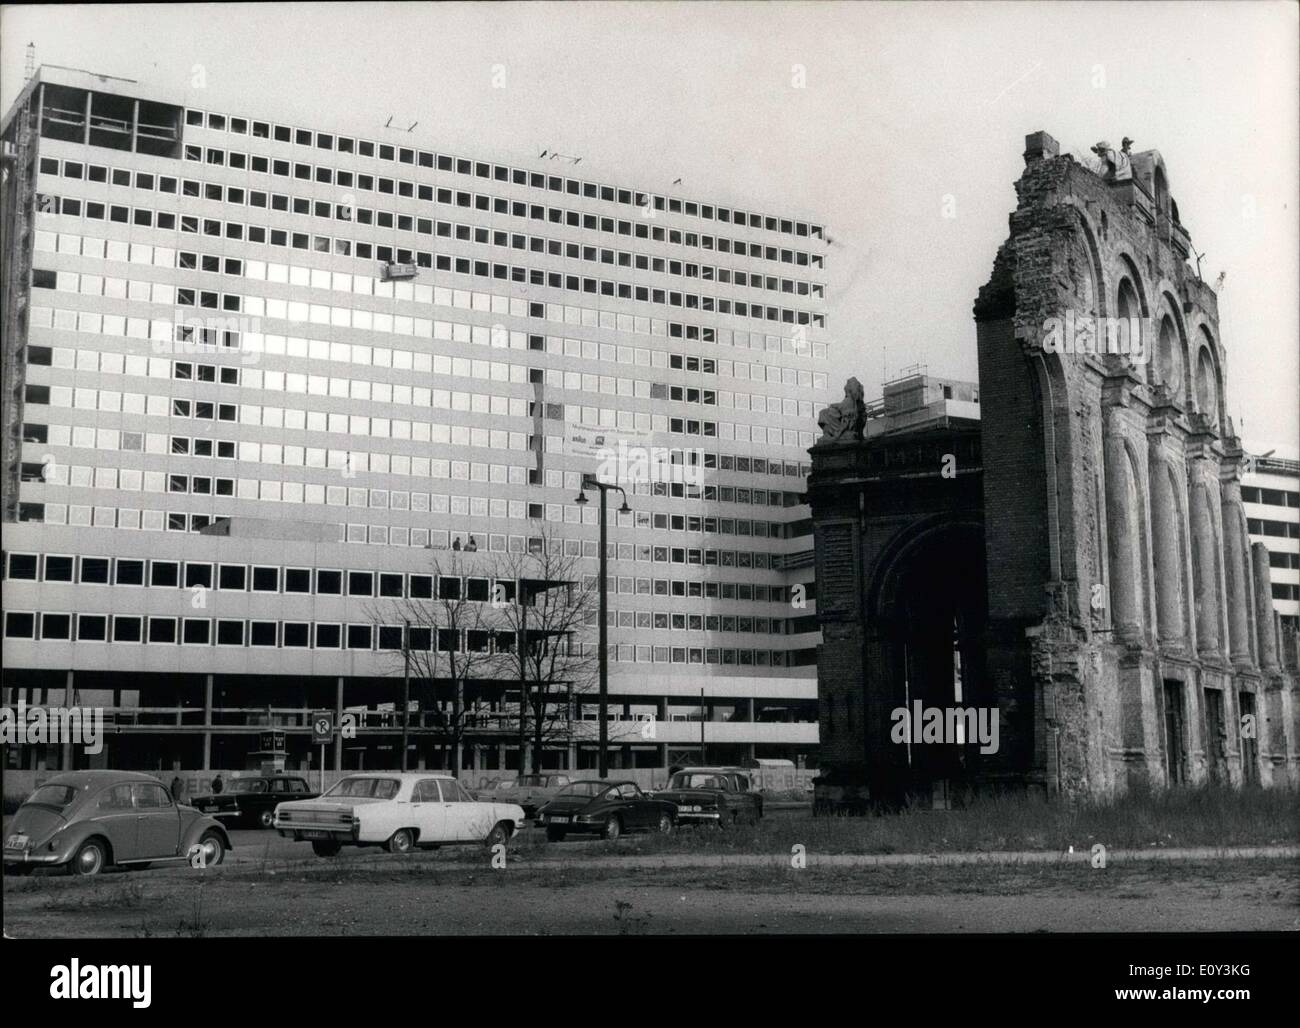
<point x="322" y="727"/>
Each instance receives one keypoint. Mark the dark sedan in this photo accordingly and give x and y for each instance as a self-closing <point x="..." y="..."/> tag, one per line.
<point x="251" y="801"/>
<point x="91" y="820"/>
<point x="712" y="795"/>
<point x="607" y="809"/>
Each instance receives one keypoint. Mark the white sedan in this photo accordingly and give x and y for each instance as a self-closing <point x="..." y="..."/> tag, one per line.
<point x="398" y="811"/>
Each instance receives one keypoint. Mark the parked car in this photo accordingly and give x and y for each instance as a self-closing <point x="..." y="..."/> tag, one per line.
<point x="250" y="801"/>
<point x="712" y="795"/>
<point x="531" y="791"/>
<point x="496" y="791"/>
<point x="605" y="808"/>
<point x="399" y="811"/>
<point x="91" y="820"/>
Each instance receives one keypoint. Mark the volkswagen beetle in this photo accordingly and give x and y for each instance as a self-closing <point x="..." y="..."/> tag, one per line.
<point x="88" y="821"/>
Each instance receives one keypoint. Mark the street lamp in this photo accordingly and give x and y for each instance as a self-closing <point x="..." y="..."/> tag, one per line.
<point x="591" y="482"/>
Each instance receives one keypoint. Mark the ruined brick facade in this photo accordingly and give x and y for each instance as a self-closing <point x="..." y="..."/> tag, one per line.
<point x="1128" y="635"/>
<point x="1113" y="498"/>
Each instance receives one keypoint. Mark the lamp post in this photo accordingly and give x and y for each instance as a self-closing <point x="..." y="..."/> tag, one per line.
<point x="591" y="482"/>
<point x="406" y="689"/>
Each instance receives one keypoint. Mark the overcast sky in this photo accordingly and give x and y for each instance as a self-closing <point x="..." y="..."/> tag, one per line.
<point x="862" y="116"/>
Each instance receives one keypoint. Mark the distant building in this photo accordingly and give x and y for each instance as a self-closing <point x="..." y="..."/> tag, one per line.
<point x="1270" y="492"/>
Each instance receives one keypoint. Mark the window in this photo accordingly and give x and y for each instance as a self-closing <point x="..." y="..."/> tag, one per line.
<point x="129" y="572"/>
<point x="297" y="634"/>
<point x="164" y="573"/>
<point x="92" y="627"/>
<point x="56" y="626"/>
<point x="128" y="629"/>
<point x="360" y="583"/>
<point x="230" y="633"/>
<point x="94" y="570"/>
<point x="19" y="625"/>
<point x="162" y="630"/>
<point x="196" y="631"/>
<point x="23" y="566"/>
<point x="328" y="637"/>
<point x="58" y="569"/>
<point x="266" y="579"/>
<point x="359" y="637"/>
<point x="232" y="576"/>
<point x="198" y="575"/>
<point x="297" y="580"/>
<point x="329" y="583"/>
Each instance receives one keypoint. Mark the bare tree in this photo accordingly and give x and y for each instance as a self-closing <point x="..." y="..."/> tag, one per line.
<point x="553" y="607"/>
<point x="448" y="642"/>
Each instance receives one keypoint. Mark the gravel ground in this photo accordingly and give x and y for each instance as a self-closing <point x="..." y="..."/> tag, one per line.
<point x="275" y="887"/>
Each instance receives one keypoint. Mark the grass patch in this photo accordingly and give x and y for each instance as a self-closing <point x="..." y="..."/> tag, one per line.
<point x="1139" y="819"/>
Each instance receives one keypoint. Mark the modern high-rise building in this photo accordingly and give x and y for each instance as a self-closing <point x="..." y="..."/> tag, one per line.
<point x="258" y="376"/>
<point x="1270" y="494"/>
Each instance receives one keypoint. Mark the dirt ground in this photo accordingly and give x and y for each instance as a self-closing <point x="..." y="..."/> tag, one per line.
<point x="458" y="892"/>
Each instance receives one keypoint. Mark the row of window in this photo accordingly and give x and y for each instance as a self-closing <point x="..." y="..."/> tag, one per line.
<point x="1277" y="559"/>
<point x="795" y="343"/>
<point x="443" y="262"/>
<point x="1273" y="497"/>
<point x="201" y="335"/>
<point x="500" y="173"/>
<point x="124" y="628"/>
<point x="670" y="477"/>
<point x="345" y="179"/>
<point x="347" y="211"/>
<point x="297" y="493"/>
<point x="81" y="515"/>
<point x="339" y="423"/>
<point x="137" y="571"/>
<point x="51" y="472"/>
<point x="1282" y="529"/>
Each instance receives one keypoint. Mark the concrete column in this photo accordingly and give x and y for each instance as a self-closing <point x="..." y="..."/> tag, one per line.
<point x="86" y="131"/>
<point x="748" y="706"/>
<point x="207" y="720"/>
<point x="66" y="760"/>
<point x="1121" y="524"/>
<point x="1235" y="549"/>
<point x="1165" y="534"/>
<point x="338" y="720"/>
<point x="135" y="124"/>
<point x="1208" y="639"/>
<point x="1264" y="621"/>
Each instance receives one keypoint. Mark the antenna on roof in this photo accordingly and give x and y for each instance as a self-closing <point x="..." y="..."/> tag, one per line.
<point x="29" y="69"/>
<point x="412" y="125"/>
<point x="555" y="155"/>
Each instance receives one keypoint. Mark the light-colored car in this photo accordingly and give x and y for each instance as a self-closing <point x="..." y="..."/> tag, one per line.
<point x="399" y="811"/>
<point x="529" y="791"/>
